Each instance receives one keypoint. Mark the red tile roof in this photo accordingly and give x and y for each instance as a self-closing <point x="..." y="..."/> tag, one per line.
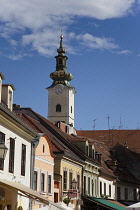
<point x="112" y="137"/>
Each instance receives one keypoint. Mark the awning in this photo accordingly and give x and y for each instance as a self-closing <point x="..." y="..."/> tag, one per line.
<point x="135" y="206"/>
<point x="106" y="203"/>
<point x="26" y="192"/>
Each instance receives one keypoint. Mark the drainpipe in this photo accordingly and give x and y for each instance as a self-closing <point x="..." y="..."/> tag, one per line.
<point x="60" y="184"/>
<point x="34" y="144"/>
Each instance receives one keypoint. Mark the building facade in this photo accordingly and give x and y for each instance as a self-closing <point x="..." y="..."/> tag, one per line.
<point x="17" y="138"/>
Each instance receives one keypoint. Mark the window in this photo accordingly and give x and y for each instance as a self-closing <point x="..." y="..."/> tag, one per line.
<point x="65" y="180"/>
<point x="89" y="185"/>
<point x="95" y="182"/>
<point x="71" y="109"/>
<point x="58" y="108"/>
<point x="93" y="153"/>
<point x="49" y="183"/>
<point x="42" y="182"/>
<point x="98" y="157"/>
<point x="118" y="193"/>
<point x="66" y="129"/>
<point x="78" y="181"/>
<point x="43" y="148"/>
<point x="126" y="193"/>
<point x="60" y="61"/>
<point x="110" y="190"/>
<point x="23" y="159"/>
<point x="10" y="100"/>
<point x="104" y="188"/>
<point x="2" y="137"/>
<point x="2" y="140"/>
<point x="70" y="180"/>
<point x="92" y="187"/>
<point x="100" y="188"/>
<point x="87" y="151"/>
<point x="35" y="180"/>
<point x="11" y="155"/>
<point x="84" y="184"/>
<point x="135" y="194"/>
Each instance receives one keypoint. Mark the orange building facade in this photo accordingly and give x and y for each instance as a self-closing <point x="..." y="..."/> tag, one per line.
<point x="44" y="170"/>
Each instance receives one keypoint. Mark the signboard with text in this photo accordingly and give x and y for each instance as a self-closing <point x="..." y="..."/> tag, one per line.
<point x="73" y="193"/>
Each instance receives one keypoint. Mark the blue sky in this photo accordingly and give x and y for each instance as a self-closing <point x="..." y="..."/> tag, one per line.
<point x="102" y="39"/>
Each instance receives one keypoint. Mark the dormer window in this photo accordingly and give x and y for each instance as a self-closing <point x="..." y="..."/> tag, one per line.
<point x="58" y="108"/>
<point x="98" y="157"/>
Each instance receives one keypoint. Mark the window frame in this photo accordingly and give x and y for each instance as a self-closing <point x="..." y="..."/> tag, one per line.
<point x="100" y="188"/>
<point x="49" y="183"/>
<point x="42" y="182"/>
<point x="65" y="178"/>
<point x="78" y="181"/>
<point x="104" y="188"/>
<point x="109" y="190"/>
<point x="70" y="179"/>
<point x="23" y="160"/>
<point x="135" y="194"/>
<point x="2" y="140"/>
<point x="84" y="185"/>
<point x="92" y="187"/>
<point x="89" y="185"/>
<point x="58" y="108"/>
<point x="118" y="193"/>
<point x="126" y="193"/>
<point x="2" y="137"/>
<point x="11" y="155"/>
<point x="35" y="183"/>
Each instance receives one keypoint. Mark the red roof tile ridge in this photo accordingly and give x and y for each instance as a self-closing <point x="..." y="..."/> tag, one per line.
<point x="31" y="121"/>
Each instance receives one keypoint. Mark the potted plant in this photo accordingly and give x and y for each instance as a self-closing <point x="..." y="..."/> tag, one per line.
<point x="66" y="201"/>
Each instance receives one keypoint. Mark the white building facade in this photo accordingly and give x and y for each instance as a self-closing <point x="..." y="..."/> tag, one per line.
<point x="16" y="167"/>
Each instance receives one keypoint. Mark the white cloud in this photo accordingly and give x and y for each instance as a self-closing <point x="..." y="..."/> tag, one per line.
<point x="38" y="22"/>
<point x="15" y="56"/>
<point x="125" y="52"/>
<point x="96" y="42"/>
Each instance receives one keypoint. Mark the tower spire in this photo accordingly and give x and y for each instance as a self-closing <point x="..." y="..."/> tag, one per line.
<point x="61" y="75"/>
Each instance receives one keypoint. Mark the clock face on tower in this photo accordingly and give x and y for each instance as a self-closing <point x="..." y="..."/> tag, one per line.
<point x="58" y="90"/>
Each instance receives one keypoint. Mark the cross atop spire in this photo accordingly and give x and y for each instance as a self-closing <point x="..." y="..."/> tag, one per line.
<point x="61" y="50"/>
<point x="61" y="37"/>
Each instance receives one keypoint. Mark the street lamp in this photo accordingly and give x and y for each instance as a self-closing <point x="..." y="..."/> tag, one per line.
<point x="3" y="150"/>
<point x="74" y="187"/>
<point x="74" y="184"/>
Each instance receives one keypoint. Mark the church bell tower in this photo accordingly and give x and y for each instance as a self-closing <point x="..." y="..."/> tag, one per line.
<point x="61" y="93"/>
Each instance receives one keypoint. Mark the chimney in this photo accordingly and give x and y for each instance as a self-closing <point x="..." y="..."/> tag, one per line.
<point x="1" y="78"/>
<point x="7" y="95"/>
<point x="126" y="145"/>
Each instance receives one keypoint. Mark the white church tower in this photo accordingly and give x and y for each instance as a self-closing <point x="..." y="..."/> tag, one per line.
<point x="61" y="93"/>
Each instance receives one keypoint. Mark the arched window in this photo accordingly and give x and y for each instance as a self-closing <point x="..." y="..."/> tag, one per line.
<point x="58" y="108"/>
<point x="60" y="61"/>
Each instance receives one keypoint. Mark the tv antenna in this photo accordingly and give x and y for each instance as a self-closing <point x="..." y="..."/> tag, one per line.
<point x="94" y="123"/>
<point x="108" y="118"/>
